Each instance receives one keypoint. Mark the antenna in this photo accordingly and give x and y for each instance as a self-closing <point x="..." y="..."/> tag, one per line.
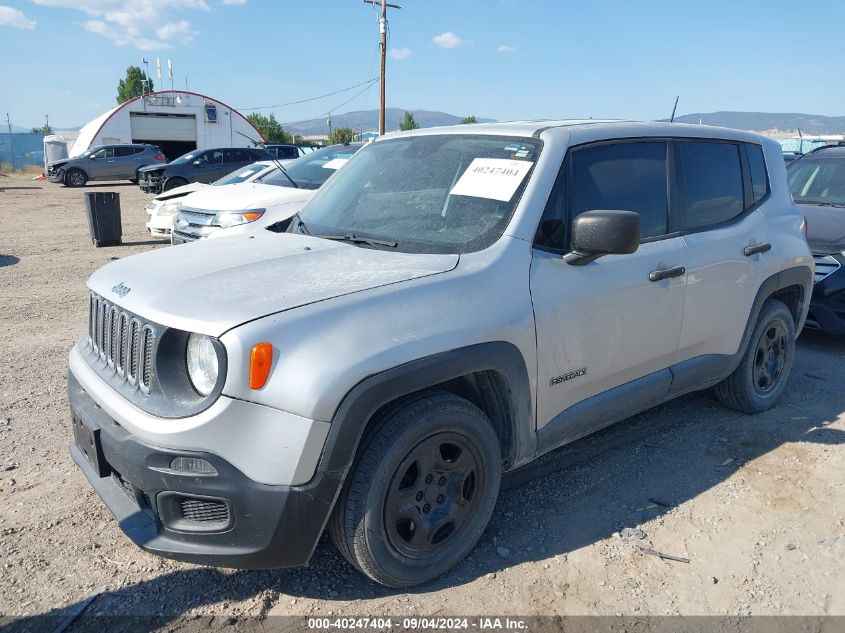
<point x="672" y="119"/>
<point x="170" y="72"/>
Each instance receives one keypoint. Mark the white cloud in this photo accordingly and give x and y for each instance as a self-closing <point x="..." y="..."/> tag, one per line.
<point x="15" y="18"/>
<point x="447" y="40"/>
<point x="400" y="53"/>
<point x="147" y="25"/>
<point x="504" y="48"/>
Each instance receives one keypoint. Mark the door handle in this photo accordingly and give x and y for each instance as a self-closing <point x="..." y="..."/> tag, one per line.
<point x="748" y="251"/>
<point x="666" y="273"/>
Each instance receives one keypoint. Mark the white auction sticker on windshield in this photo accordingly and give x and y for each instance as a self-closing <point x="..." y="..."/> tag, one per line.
<point x="335" y="163"/>
<point x="493" y="178"/>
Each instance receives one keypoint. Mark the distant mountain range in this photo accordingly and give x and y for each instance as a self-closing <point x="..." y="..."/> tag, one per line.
<point x="768" y="121"/>
<point x="367" y="121"/>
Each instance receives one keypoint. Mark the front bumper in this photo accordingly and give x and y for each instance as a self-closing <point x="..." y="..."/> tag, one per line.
<point x="150" y="182"/>
<point x="224" y="520"/>
<point x="56" y="175"/>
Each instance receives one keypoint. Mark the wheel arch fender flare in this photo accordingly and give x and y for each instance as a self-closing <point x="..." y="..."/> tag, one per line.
<point x="369" y="396"/>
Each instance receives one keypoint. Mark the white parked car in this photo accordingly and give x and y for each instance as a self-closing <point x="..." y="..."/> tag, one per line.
<point x="163" y="208"/>
<point x="268" y="199"/>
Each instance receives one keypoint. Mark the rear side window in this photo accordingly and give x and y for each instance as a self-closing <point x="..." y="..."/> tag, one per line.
<point x="236" y="156"/>
<point x="125" y="150"/>
<point x="759" y="175"/>
<point x="623" y="176"/>
<point x="711" y="174"/>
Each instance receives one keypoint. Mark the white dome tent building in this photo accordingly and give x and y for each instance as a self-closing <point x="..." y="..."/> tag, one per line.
<point x="174" y="120"/>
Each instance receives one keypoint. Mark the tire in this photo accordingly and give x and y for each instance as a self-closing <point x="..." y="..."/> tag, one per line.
<point x="75" y="178"/>
<point x="761" y="378"/>
<point x="434" y="459"/>
<point x="172" y="183"/>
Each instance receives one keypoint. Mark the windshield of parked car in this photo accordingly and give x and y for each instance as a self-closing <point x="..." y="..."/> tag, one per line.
<point x="313" y="169"/>
<point x="240" y="175"/>
<point x="186" y="158"/>
<point x="818" y="180"/>
<point x="429" y="194"/>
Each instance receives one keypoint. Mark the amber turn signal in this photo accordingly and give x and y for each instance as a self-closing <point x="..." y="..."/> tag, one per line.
<point x="260" y="361"/>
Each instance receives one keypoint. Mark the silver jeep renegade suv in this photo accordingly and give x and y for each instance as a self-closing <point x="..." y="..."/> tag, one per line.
<point x="452" y="304"/>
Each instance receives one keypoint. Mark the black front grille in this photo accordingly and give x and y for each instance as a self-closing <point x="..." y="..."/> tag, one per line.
<point x="204" y="511"/>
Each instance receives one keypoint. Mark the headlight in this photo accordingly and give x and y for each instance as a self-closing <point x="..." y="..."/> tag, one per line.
<point x="170" y="208"/>
<point x="202" y="363"/>
<point x="226" y="219"/>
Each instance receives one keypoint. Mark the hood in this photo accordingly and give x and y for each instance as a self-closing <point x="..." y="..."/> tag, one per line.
<point x="154" y="167"/>
<point x="825" y="228"/>
<point x="211" y="286"/>
<point x="60" y="162"/>
<point x="244" y="195"/>
<point x="178" y="192"/>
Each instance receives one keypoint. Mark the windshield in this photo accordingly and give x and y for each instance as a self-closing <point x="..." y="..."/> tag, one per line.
<point x="241" y="175"/>
<point x="817" y="180"/>
<point x="186" y="158"/>
<point x="429" y="194"/>
<point x="313" y="169"/>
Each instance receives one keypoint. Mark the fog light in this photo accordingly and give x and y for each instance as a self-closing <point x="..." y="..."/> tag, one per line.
<point x="193" y="465"/>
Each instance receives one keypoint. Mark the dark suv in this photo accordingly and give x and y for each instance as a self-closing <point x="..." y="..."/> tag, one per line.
<point x="817" y="183"/>
<point x="105" y="162"/>
<point x="198" y="166"/>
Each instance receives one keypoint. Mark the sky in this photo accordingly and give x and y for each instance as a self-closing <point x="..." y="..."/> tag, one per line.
<point x="502" y="59"/>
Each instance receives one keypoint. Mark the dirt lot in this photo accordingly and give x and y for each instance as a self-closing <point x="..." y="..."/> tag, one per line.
<point x="756" y="503"/>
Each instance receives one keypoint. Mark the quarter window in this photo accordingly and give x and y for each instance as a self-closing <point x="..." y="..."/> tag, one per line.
<point x="712" y="182"/>
<point x="626" y="177"/>
<point x="759" y="176"/>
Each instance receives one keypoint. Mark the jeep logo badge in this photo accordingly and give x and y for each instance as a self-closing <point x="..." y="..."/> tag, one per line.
<point x="121" y="290"/>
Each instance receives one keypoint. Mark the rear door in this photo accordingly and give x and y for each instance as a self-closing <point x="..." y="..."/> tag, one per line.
<point x="723" y="187"/>
<point x="124" y="162"/>
<point x="233" y="159"/>
<point x="606" y="333"/>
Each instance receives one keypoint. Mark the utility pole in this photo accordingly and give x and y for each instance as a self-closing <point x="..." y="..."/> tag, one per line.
<point x="11" y="142"/>
<point x="382" y="27"/>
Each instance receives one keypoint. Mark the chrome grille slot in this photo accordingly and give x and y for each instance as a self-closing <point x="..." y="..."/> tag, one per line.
<point x="147" y="356"/>
<point x="826" y="265"/>
<point x="125" y="343"/>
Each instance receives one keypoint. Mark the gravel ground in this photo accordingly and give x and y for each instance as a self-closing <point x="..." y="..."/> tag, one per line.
<point x="755" y="503"/>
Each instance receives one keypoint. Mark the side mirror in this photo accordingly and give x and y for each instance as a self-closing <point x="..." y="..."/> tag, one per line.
<point x="597" y="233"/>
<point x="92" y="157"/>
<point x="196" y="163"/>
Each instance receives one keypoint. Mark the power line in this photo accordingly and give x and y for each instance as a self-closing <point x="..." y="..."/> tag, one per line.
<point x="330" y="94"/>
<point x="355" y="96"/>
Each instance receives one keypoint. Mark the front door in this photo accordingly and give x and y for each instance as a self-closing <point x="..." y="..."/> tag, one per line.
<point x="607" y="331"/>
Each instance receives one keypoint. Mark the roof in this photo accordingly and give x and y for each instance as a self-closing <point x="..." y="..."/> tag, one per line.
<point x="829" y="150"/>
<point x="597" y="127"/>
<point x="90" y="130"/>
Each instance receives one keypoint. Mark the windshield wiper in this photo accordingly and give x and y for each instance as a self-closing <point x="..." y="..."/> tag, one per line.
<point x="829" y="204"/>
<point x="272" y="158"/>
<point x="354" y="239"/>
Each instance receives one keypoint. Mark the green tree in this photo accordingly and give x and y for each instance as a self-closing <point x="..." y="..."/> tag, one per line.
<point x="270" y="128"/>
<point x="132" y="85"/>
<point x="469" y="119"/>
<point x="341" y="135"/>
<point x="44" y="129"/>
<point x="408" y="122"/>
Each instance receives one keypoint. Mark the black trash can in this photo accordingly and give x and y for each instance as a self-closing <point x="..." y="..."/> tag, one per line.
<point x="103" y="209"/>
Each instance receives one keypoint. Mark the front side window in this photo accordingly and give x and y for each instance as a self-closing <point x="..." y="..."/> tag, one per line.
<point x="452" y="193"/>
<point x="104" y="152"/>
<point x="818" y="180"/>
<point x="236" y="156"/>
<point x="623" y="177"/>
<point x="711" y="174"/>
